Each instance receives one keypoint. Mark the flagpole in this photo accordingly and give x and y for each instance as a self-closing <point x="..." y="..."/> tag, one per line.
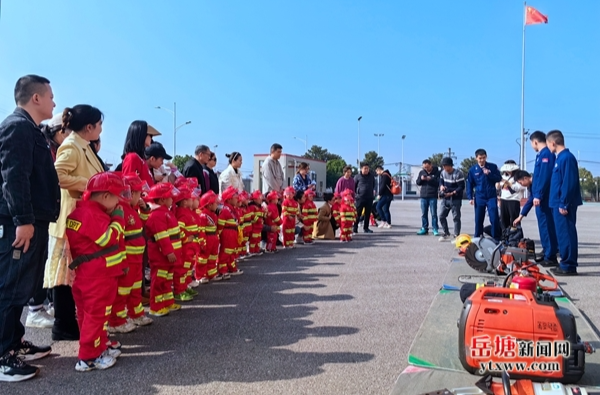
<point x="522" y="158"/>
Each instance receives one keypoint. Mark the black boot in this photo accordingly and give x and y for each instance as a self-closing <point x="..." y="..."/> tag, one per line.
<point x="65" y="322"/>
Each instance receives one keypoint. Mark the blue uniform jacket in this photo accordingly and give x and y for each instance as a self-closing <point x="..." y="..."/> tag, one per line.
<point x="542" y="175"/>
<point x="565" y="191"/>
<point x="484" y="185"/>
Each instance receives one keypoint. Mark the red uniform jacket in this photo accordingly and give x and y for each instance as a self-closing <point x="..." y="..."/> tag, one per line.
<point x="135" y="243"/>
<point x="90" y="229"/>
<point x="257" y="218"/>
<point x="289" y="210"/>
<point x="188" y="224"/>
<point x="347" y="215"/>
<point x="335" y="209"/>
<point x="272" y="217"/>
<point x="207" y="224"/>
<point x="227" y="226"/>
<point x="309" y="213"/>
<point x="162" y="230"/>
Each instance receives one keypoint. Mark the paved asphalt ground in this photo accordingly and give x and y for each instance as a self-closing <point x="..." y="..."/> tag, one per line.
<point x="330" y="318"/>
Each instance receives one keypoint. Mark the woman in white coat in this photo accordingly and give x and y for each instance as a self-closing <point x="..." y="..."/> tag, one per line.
<point x="232" y="175"/>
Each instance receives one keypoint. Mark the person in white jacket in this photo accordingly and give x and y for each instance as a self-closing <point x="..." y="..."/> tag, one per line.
<point x="232" y="175"/>
<point x="511" y="193"/>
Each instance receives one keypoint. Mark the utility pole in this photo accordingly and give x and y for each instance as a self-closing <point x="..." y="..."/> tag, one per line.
<point x="358" y="152"/>
<point x="379" y="136"/>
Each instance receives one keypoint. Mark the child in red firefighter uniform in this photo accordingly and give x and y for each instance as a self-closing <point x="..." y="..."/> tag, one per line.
<point x="347" y="217"/>
<point x="95" y="231"/>
<point x="335" y="209"/>
<point x="164" y="249"/>
<point x="309" y="216"/>
<point x="245" y="217"/>
<point x="258" y="214"/>
<point x="272" y="219"/>
<point x="289" y="211"/>
<point x="182" y="272"/>
<point x="230" y="235"/>
<point x="206" y="265"/>
<point x="128" y="302"/>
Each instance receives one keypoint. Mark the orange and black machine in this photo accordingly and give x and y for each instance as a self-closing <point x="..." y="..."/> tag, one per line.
<point x="522" y="332"/>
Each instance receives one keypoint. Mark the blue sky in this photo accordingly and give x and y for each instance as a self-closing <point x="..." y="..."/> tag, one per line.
<point x="250" y="73"/>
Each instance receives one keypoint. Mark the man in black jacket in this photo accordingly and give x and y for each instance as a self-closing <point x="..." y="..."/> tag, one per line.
<point x="364" y="186"/>
<point x="29" y="201"/>
<point x="197" y="167"/>
<point x="428" y="179"/>
<point x="452" y="187"/>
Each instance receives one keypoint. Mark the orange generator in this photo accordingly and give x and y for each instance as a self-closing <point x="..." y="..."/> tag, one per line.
<point x="525" y="334"/>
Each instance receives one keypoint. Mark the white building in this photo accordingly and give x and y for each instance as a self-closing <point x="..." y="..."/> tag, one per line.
<point x="289" y="163"/>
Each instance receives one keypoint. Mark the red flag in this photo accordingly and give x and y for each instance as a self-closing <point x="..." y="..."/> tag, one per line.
<point x="533" y="16"/>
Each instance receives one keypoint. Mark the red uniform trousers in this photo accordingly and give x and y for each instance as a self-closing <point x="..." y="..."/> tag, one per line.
<point x="128" y="301"/>
<point x="161" y="287"/>
<point x="206" y="266"/>
<point x="183" y="268"/>
<point x="93" y="297"/>
<point x="307" y="231"/>
<point x="346" y="230"/>
<point x="289" y="229"/>
<point x="255" y="238"/>
<point x="228" y="250"/>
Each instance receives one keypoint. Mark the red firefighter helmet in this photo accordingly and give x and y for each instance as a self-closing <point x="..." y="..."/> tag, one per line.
<point x="208" y="198"/>
<point x="163" y="190"/>
<point x="257" y="195"/>
<point x="229" y="193"/>
<point x="289" y="192"/>
<point x="135" y="183"/>
<point x="273" y="195"/>
<point x="337" y="195"/>
<point x="184" y="193"/>
<point x="190" y="182"/>
<point x="107" y="182"/>
<point x="243" y="196"/>
<point x="347" y="192"/>
<point x="309" y="192"/>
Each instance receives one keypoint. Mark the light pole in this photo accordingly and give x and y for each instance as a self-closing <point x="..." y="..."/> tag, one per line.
<point x="402" y="168"/>
<point x="173" y="112"/>
<point x="597" y="197"/>
<point x="358" y="152"/>
<point x="215" y="149"/>
<point x="304" y="141"/>
<point x="379" y="136"/>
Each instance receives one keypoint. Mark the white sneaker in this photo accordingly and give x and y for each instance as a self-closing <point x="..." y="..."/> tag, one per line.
<point x="125" y="328"/>
<point x="50" y="310"/>
<point x="142" y="321"/>
<point x="113" y="352"/>
<point x="39" y="319"/>
<point x="204" y="280"/>
<point x="104" y="361"/>
<point x="236" y="273"/>
<point x="194" y="284"/>
<point x="382" y="225"/>
<point x="444" y="238"/>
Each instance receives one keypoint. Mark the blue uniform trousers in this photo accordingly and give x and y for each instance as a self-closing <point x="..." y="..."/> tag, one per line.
<point x="545" y="220"/>
<point x="566" y="233"/>
<point x="492" y="208"/>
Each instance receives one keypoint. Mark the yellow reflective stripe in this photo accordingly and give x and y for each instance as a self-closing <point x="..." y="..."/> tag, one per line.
<point x="174" y="231"/>
<point x="191" y="228"/>
<point x="144" y="216"/>
<point x="181" y="224"/>
<point x="212" y="257"/>
<point x="202" y="261"/>
<point x="161" y="235"/>
<point x="212" y="272"/>
<point x="134" y="250"/>
<point x="105" y="238"/>
<point x="122" y="314"/>
<point x="97" y="342"/>
<point x="115" y="259"/>
<point x="187" y="265"/>
<point x="168" y="296"/>
<point x="176" y="244"/>
<point x="124" y="291"/>
<point x="133" y="232"/>
<point x="108" y="310"/>
<point x="170" y="276"/>
<point x="138" y="309"/>
<point x="162" y="273"/>
<point x="137" y="285"/>
<point x="230" y="250"/>
<point x="158" y="298"/>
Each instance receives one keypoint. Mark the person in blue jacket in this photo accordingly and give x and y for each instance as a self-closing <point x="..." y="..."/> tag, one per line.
<point x="565" y="197"/>
<point x="481" y="192"/>
<point x="540" y="197"/>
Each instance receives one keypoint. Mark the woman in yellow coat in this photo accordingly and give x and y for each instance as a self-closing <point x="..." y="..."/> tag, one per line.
<point x="75" y="164"/>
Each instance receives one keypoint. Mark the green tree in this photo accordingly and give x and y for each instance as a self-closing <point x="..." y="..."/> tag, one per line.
<point x="373" y="159"/>
<point x="466" y="164"/>
<point x="587" y="182"/>
<point x="320" y="153"/>
<point x="335" y="170"/>
<point x="436" y="159"/>
<point x="179" y="161"/>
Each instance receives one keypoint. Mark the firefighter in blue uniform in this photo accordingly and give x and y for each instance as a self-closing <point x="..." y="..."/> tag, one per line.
<point x="482" y="179"/>
<point x="565" y="197"/>
<point x="540" y="198"/>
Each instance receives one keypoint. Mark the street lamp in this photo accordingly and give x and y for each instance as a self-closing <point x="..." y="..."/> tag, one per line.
<point x="402" y="168"/>
<point x="173" y="112"/>
<point x="379" y="136"/>
<point x="215" y="149"/>
<point x="358" y="156"/>
<point x="304" y="141"/>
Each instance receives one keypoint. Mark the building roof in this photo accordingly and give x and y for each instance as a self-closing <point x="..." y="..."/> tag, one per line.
<point x="295" y="157"/>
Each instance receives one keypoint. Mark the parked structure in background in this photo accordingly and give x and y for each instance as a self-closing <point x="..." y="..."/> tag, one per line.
<point x="289" y="163"/>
